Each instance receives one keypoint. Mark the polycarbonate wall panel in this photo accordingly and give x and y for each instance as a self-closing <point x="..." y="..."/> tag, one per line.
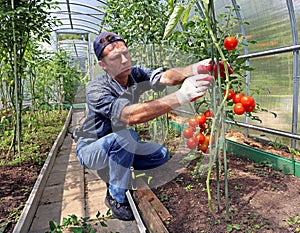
<point x="269" y="25"/>
<point x="274" y="77"/>
<point x="269" y="22"/>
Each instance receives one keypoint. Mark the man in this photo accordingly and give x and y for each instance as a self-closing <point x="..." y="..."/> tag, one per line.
<point x="105" y="139"/>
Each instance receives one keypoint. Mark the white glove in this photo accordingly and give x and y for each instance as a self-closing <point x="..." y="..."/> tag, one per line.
<point x="202" y="67"/>
<point x="193" y="87"/>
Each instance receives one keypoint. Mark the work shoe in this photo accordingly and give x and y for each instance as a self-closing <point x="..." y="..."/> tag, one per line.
<point x="121" y="211"/>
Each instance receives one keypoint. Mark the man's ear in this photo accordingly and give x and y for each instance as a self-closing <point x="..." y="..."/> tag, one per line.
<point x="102" y="65"/>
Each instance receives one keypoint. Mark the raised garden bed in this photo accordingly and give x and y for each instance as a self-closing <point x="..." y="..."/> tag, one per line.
<point x="263" y="195"/>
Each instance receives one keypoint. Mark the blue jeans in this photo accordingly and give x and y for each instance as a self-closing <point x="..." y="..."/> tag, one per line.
<point x="119" y="151"/>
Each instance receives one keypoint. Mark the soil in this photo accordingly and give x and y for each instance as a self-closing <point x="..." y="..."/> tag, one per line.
<point x="259" y="198"/>
<point x="16" y="183"/>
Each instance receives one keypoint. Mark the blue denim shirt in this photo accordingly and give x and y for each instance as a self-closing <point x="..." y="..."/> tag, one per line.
<point x="106" y="99"/>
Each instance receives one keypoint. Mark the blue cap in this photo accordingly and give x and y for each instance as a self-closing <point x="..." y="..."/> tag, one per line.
<point x="104" y="39"/>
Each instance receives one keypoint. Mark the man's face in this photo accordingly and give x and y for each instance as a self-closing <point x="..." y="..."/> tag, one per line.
<point x="116" y="60"/>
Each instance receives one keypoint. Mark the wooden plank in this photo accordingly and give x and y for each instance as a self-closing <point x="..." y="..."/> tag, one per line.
<point x="150" y="217"/>
<point x="156" y="204"/>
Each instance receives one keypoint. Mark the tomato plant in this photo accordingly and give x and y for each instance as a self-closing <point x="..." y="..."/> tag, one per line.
<point x="230" y="43"/>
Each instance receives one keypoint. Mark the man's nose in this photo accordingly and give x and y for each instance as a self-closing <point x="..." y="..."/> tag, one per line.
<point x="124" y="59"/>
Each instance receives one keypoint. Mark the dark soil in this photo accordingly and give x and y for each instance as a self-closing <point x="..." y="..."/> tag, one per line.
<point x="16" y="183"/>
<point x="259" y="198"/>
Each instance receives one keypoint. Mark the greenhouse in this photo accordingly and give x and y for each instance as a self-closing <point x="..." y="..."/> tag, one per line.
<point x="149" y="116"/>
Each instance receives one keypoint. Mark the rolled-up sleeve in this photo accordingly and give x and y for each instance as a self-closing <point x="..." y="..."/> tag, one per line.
<point x="155" y="79"/>
<point x="117" y="108"/>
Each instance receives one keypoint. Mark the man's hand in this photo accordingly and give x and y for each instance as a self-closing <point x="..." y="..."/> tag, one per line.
<point x="193" y="87"/>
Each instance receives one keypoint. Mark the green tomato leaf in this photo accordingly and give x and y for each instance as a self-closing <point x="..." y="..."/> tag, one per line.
<point x="186" y="13"/>
<point x="174" y="20"/>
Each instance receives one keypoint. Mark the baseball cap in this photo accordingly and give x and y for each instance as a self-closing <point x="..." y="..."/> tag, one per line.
<point x="104" y="39"/>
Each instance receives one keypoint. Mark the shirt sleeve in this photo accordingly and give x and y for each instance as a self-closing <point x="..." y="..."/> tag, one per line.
<point x="155" y="79"/>
<point x="153" y="76"/>
<point x="117" y="108"/>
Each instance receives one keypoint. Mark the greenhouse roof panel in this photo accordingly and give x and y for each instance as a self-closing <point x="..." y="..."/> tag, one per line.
<point x="79" y="16"/>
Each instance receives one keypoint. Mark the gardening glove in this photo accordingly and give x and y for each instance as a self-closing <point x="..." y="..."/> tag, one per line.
<point x="202" y="67"/>
<point x="193" y="87"/>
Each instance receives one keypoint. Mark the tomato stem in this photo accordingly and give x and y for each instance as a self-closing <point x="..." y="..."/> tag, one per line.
<point x="219" y="114"/>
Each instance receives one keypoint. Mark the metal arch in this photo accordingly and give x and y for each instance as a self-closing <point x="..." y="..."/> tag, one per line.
<point x="83" y="20"/>
<point x="79" y="4"/>
<point x="77" y="12"/>
<point x="80" y="47"/>
<point x="75" y="30"/>
<point x="95" y="16"/>
<point x="84" y="27"/>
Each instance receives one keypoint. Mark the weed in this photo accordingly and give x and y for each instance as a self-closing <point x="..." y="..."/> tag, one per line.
<point x="179" y="179"/>
<point x="232" y="227"/>
<point x="294" y="151"/>
<point x="75" y="224"/>
<point x="294" y="222"/>
<point x="164" y="197"/>
<point x="189" y="187"/>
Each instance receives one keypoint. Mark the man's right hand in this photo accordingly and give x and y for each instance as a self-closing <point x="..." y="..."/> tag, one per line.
<point x="193" y="87"/>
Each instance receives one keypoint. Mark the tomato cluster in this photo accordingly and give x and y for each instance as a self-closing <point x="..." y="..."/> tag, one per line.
<point x="242" y="103"/>
<point x="195" y="132"/>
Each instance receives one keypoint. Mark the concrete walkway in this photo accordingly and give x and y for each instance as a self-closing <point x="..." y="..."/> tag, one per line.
<point x="71" y="190"/>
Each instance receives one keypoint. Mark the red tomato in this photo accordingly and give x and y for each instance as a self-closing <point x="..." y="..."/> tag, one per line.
<point x="208" y="113"/>
<point x="250" y="108"/>
<point x="201" y="118"/>
<point x="247" y="101"/>
<point x="230" y="94"/>
<point x="193" y="122"/>
<point x="203" y="127"/>
<point x="203" y="147"/>
<point x="200" y="138"/>
<point x="222" y="69"/>
<point x="230" y="43"/>
<point x="207" y="138"/>
<point x="239" y="109"/>
<point x="236" y="98"/>
<point x="192" y="142"/>
<point x="188" y="132"/>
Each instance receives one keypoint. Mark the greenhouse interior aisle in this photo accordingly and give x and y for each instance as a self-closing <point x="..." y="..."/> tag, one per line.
<point x="70" y="190"/>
